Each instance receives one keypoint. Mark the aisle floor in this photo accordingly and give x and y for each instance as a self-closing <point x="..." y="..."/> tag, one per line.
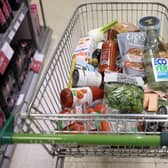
<point x="33" y="156"/>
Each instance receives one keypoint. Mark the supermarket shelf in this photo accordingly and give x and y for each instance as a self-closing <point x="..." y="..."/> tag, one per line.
<point x="19" y="15"/>
<point x="21" y="106"/>
<point x="14" y="26"/>
<point x="44" y="39"/>
<point x="28" y="88"/>
<point x="32" y="78"/>
<point x="27" y="91"/>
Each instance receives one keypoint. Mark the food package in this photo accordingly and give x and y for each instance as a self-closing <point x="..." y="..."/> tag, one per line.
<point x="98" y="125"/>
<point x="151" y="101"/>
<point x="122" y="27"/>
<point x="124" y="93"/>
<point x="84" y="49"/>
<point x="131" y="47"/>
<point x="71" y="125"/>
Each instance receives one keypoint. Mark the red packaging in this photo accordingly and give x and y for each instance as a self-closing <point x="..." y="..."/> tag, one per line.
<point x="68" y="125"/>
<point x="82" y="95"/>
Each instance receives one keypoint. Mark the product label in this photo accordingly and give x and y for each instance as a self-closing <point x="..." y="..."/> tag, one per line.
<point x="35" y="65"/>
<point x="37" y="62"/>
<point x="80" y="64"/>
<point x="11" y="35"/>
<point x="137" y="39"/>
<point x="160" y="69"/>
<point x="6" y="54"/>
<point x="88" y="78"/>
<point x="81" y="96"/>
<point x="20" y="99"/>
<point x="104" y="57"/>
<point x="123" y="78"/>
<point x="2" y="18"/>
<point x="16" y="26"/>
<point x="21" y="17"/>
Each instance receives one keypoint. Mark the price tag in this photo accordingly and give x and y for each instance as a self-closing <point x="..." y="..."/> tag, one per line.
<point x="6" y="54"/>
<point x="36" y="62"/>
<point x="20" y="99"/>
<point x="21" y="17"/>
<point x="16" y="25"/>
<point x="11" y="34"/>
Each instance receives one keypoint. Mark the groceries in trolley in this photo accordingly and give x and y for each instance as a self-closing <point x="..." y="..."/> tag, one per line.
<point x="119" y="68"/>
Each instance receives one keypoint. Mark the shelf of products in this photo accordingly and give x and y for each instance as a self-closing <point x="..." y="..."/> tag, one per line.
<point x="12" y="65"/>
<point x="14" y="26"/>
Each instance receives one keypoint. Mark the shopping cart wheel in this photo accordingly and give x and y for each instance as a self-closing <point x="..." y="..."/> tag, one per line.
<point x="60" y="162"/>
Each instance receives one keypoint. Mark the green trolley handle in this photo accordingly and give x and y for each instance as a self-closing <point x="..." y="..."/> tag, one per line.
<point x="8" y="137"/>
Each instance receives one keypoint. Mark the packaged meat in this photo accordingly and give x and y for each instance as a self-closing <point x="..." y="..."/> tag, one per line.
<point x="131" y="46"/>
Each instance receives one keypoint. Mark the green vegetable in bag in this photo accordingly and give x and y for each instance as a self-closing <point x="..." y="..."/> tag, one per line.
<point x="127" y="98"/>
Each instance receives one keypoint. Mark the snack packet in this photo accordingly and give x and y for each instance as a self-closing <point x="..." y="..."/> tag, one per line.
<point x="131" y="47"/>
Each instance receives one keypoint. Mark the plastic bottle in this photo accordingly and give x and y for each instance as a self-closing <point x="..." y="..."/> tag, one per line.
<point x="156" y="68"/>
<point x="109" y="53"/>
<point x="82" y="95"/>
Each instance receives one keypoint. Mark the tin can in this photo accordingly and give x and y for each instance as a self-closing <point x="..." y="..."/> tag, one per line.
<point x="152" y="126"/>
<point x="86" y="78"/>
<point x="164" y="111"/>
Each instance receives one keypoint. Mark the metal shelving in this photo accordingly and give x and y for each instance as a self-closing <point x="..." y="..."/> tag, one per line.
<point x="14" y="26"/>
<point x="41" y="43"/>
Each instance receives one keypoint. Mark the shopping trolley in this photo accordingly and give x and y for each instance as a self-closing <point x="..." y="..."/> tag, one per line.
<point x="39" y="123"/>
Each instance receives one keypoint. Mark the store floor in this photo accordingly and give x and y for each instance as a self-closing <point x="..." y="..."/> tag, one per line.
<point x="58" y="14"/>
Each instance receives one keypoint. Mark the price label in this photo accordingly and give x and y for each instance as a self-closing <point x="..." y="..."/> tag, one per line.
<point x="6" y="54"/>
<point x="21" y="17"/>
<point x="11" y="34"/>
<point x="20" y="99"/>
<point x="37" y="62"/>
<point x="16" y="25"/>
<point x="38" y="56"/>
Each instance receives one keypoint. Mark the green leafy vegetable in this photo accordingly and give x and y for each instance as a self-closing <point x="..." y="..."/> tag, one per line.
<point x="125" y="97"/>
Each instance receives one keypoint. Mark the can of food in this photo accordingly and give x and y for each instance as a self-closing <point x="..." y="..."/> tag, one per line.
<point x="86" y="78"/>
<point x="149" y="22"/>
<point x="163" y="110"/>
<point x="152" y="126"/>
